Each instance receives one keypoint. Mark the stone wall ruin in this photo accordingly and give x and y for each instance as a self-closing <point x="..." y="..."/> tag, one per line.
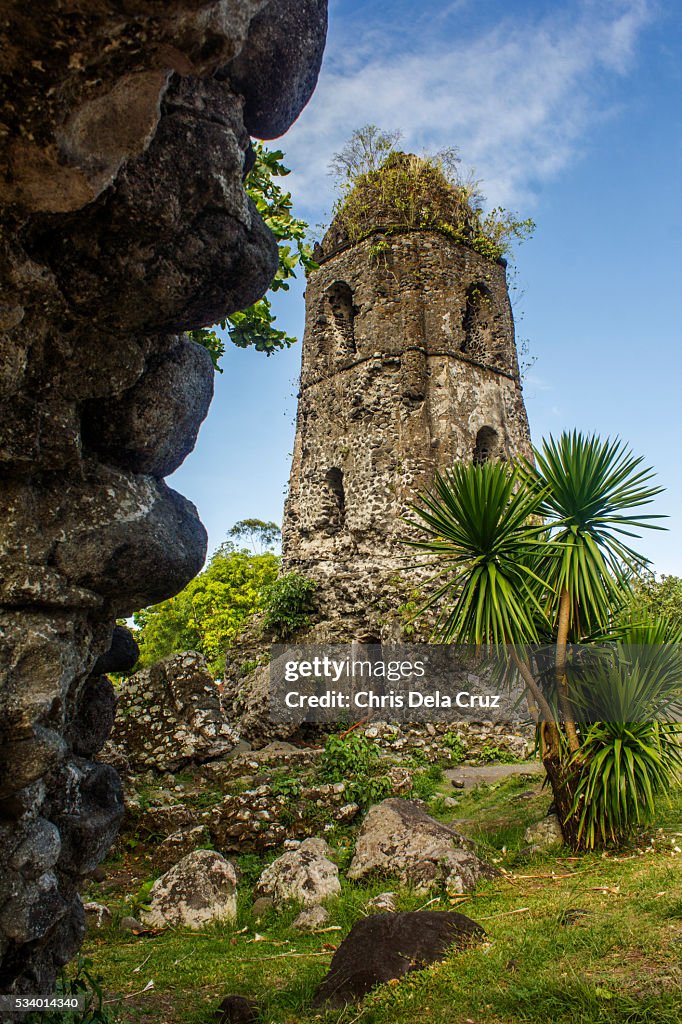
<point x="409" y="365"/>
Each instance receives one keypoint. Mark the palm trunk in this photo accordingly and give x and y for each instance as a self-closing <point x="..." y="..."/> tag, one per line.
<point x="562" y="681"/>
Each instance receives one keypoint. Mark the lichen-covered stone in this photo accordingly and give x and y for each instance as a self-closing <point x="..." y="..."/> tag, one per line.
<point x="170" y="715"/>
<point x="545" y="834"/>
<point x="198" y="890"/>
<point x="399" y="838"/>
<point x="304" y="875"/>
<point x="123" y="222"/>
<point x="409" y="364"/>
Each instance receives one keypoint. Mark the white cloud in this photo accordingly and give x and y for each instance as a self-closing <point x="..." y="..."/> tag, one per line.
<point x="517" y="98"/>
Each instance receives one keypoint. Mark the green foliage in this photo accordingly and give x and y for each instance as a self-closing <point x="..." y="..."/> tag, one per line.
<point x="288" y="605"/>
<point x="257" y="533"/>
<point x="586" y="486"/>
<point x="659" y="600"/>
<point x="492" y="754"/>
<point x="425" y="783"/>
<point x="83" y="983"/>
<point x="209" y="614"/>
<point x="355" y="760"/>
<point x="478" y="525"/>
<point x="539" y="552"/>
<point x="456" y="746"/>
<point x="254" y="326"/>
<point x="396" y="192"/>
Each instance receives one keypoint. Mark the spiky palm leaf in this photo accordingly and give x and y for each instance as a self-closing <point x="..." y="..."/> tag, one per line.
<point x="480" y="528"/>
<point x="587" y="486"/>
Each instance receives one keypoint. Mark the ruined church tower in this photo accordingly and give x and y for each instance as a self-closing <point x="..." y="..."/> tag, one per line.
<point x="409" y="364"/>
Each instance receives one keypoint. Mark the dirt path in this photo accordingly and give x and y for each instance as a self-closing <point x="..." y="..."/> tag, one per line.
<point x="473" y="775"/>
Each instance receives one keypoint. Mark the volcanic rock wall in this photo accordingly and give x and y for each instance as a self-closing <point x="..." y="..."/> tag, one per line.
<point x="409" y="365"/>
<point x="124" y="222"/>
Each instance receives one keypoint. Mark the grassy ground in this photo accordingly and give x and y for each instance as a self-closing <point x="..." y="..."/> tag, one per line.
<point x="595" y="939"/>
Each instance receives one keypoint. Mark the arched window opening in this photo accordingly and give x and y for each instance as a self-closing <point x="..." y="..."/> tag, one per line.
<point x="335" y="499"/>
<point x="485" y="448"/>
<point x="477" y="321"/>
<point x="340" y="304"/>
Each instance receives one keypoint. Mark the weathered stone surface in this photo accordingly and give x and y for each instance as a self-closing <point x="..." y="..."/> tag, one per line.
<point x="170" y="715"/>
<point x="135" y="431"/>
<point x="386" y="946"/>
<point x="177" y="845"/>
<point x="259" y="819"/>
<point x="311" y="918"/>
<point x="384" y="903"/>
<point x="545" y="834"/>
<point x="277" y="67"/>
<point x="123" y="222"/>
<point x="97" y="916"/>
<point x="262" y="906"/>
<point x="305" y="875"/>
<point x="409" y="364"/>
<point x="237" y="1010"/>
<point x="399" y="838"/>
<point x="122" y="654"/>
<point x="198" y="890"/>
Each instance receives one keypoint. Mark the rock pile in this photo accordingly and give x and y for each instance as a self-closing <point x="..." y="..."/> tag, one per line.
<point x="170" y="715"/>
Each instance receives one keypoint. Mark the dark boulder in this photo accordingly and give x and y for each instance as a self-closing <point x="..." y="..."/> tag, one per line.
<point x="386" y="946"/>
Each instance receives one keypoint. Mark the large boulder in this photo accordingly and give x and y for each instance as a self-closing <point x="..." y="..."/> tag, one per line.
<point x="198" y="890"/>
<point x="305" y="875"/>
<point x="399" y="838"/>
<point x="382" y="947"/>
<point x="171" y="714"/>
<point x="125" y="222"/>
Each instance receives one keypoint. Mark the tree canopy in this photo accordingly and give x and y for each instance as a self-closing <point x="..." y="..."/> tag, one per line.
<point x="209" y="614"/>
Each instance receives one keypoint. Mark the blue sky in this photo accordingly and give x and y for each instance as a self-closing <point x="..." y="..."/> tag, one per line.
<point x="569" y="113"/>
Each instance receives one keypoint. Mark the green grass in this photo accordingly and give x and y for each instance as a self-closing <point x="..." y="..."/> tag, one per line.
<point x="620" y="963"/>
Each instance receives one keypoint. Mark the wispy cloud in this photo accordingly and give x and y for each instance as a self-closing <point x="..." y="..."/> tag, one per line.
<point x="517" y="97"/>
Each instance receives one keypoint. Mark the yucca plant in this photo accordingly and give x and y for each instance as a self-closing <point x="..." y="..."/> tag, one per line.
<point x="630" y="698"/>
<point x="537" y="553"/>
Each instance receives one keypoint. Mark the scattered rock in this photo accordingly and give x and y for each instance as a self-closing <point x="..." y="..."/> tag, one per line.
<point x="544" y="835"/>
<point x="131" y="924"/>
<point x="237" y="1010"/>
<point x="384" y="903"/>
<point x="386" y="946"/>
<point x="96" y="915"/>
<point x="262" y="906"/>
<point x="400" y="779"/>
<point x="311" y="918"/>
<point x="399" y="838"/>
<point x="450" y="802"/>
<point x="305" y="875"/>
<point x="200" y="889"/>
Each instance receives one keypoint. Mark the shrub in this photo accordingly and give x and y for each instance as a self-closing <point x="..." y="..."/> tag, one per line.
<point x="289" y="604"/>
<point x="353" y="759"/>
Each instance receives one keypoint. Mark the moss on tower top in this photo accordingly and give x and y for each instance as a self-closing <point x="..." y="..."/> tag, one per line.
<point x="411" y="193"/>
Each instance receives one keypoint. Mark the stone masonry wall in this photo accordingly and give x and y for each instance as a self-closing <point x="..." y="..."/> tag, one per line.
<point x="409" y="365"/>
<point x="123" y="219"/>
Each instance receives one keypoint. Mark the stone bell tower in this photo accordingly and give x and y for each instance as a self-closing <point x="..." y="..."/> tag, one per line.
<point x="409" y="364"/>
